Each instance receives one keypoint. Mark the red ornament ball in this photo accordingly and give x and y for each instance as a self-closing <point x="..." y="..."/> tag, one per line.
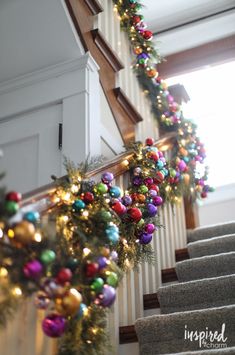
<point x="14" y="196"/>
<point x="148" y="35"/>
<point x="135" y="214"/>
<point x="64" y="275"/>
<point x="92" y="269"/>
<point x="136" y="20"/>
<point x="203" y="194"/>
<point x="160" y="177"/>
<point x="149" y="141"/>
<point x="118" y="207"/>
<point x="88" y="197"/>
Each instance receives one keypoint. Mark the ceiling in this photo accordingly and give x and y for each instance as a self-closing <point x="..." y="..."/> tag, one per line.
<point x="183" y="24"/>
<point x="34" y="35"/>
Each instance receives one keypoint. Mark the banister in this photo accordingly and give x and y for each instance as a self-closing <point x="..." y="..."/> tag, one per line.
<point x="116" y="165"/>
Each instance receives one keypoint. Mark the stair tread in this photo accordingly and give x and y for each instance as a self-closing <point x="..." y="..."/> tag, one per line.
<point x="197" y="294"/>
<point x="212" y="246"/>
<point x="206" y="267"/>
<point x="161" y="334"/>
<point x="230" y="350"/>
<point x="209" y="231"/>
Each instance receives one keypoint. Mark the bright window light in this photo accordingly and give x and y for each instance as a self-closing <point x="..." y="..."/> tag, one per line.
<point x="212" y="107"/>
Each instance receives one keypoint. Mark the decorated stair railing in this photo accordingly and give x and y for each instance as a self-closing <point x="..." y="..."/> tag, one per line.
<point x="136" y="285"/>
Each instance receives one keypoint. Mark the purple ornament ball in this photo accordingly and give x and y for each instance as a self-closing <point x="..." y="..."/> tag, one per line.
<point x="149" y="228"/>
<point x="54" y="325"/>
<point x="137" y="181"/>
<point x="102" y="262"/>
<point x="107" y="178"/>
<point x="145" y="238"/>
<point x="182" y="165"/>
<point x="152" y="210"/>
<point x="153" y="193"/>
<point x="158" y="201"/>
<point x="32" y="269"/>
<point x="127" y="200"/>
<point x="114" y="255"/>
<point x="107" y="296"/>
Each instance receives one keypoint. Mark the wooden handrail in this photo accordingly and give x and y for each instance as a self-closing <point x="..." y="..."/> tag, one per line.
<point x="117" y="166"/>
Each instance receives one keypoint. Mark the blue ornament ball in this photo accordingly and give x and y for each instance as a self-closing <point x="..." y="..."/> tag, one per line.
<point x="78" y="205"/>
<point x="115" y="191"/>
<point x="32" y="216"/>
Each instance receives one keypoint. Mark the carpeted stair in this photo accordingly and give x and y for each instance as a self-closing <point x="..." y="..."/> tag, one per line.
<point x="203" y="299"/>
<point x="206" y="267"/>
<point x="215" y="230"/>
<point x="200" y="294"/>
<point x="212" y="246"/>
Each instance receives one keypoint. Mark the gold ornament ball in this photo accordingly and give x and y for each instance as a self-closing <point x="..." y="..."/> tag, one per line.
<point x="152" y="73"/>
<point x="138" y="50"/>
<point x="183" y="152"/>
<point x="70" y="303"/>
<point x="24" y="232"/>
<point x="186" y="178"/>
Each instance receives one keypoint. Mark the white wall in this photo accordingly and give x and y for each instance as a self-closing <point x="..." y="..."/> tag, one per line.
<point x="219" y="206"/>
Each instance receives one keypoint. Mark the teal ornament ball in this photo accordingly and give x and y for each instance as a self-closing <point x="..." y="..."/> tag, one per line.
<point x="112" y="234"/>
<point x="48" y="256"/>
<point x="115" y="192"/>
<point x="81" y="312"/>
<point x="78" y="205"/>
<point x="160" y="164"/>
<point x="32" y="216"/>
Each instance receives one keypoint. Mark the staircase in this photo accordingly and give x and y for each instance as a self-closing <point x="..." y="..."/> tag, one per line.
<point x="203" y="300"/>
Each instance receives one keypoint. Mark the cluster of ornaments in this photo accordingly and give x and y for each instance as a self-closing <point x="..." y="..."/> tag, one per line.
<point x="67" y="287"/>
<point x="170" y="111"/>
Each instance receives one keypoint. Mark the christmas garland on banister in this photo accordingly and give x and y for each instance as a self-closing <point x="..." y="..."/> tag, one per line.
<point x="101" y="232"/>
<point x="189" y="152"/>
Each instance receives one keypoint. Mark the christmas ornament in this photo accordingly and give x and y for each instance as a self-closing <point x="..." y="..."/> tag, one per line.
<point x="24" y="232"/>
<point x="47" y="256"/>
<point x="33" y="269"/>
<point x="54" y="325"/>
<point x="107" y="296"/>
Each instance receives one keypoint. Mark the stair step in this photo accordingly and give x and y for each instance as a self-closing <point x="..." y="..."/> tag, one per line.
<point x="164" y="334"/>
<point x="212" y="246"/>
<point x="209" y="352"/>
<point x="200" y="294"/>
<point x="151" y="301"/>
<point x="206" y="267"/>
<point x="211" y="231"/>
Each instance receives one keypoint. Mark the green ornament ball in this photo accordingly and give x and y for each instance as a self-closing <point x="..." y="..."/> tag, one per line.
<point x="143" y="189"/>
<point x="105" y="216"/>
<point x="72" y="264"/>
<point x="141" y="223"/>
<point x="101" y="188"/>
<point x="112" y="279"/>
<point x="172" y="172"/>
<point x="97" y="285"/>
<point x="48" y="256"/>
<point x="11" y="207"/>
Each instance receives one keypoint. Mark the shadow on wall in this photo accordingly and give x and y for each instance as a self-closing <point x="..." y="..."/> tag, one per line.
<point x="219" y="207"/>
